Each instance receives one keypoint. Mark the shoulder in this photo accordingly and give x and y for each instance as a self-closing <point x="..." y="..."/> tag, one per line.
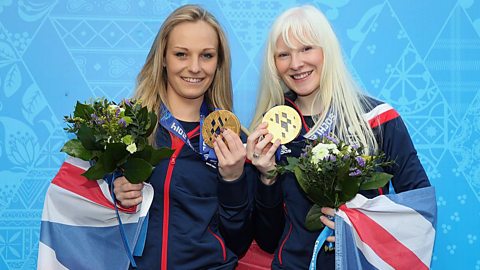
<point x="378" y="112"/>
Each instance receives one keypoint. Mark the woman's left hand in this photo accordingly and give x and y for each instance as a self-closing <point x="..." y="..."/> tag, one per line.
<point x="231" y="155"/>
<point x="330" y="212"/>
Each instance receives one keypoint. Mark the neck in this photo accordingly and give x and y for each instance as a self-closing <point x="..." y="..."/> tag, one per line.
<point x="305" y="106"/>
<point x="184" y="109"/>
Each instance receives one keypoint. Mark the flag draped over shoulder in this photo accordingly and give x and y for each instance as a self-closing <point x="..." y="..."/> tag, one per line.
<point x="80" y="228"/>
<point x="395" y="231"/>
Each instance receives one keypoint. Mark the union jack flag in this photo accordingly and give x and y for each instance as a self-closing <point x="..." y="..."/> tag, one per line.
<point x="394" y="231"/>
<point x="80" y="228"/>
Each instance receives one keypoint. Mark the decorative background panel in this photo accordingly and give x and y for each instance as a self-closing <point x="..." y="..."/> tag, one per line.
<point x="423" y="57"/>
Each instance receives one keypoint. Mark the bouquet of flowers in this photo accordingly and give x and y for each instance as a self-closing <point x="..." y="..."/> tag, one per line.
<point x="331" y="172"/>
<point x="114" y="138"/>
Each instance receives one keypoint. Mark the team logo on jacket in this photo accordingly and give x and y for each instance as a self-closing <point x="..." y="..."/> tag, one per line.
<point x="284" y="150"/>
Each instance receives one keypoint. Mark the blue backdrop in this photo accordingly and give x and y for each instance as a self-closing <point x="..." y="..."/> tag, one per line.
<point x="423" y="57"/>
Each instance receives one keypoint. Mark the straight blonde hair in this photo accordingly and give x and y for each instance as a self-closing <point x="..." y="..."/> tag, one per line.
<point x="152" y="79"/>
<point x="337" y="91"/>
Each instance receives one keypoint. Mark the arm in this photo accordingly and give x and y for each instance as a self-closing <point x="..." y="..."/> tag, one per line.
<point x="235" y="192"/>
<point x="408" y="172"/>
<point x="235" y="201"/>
<point x="268" y="217"/>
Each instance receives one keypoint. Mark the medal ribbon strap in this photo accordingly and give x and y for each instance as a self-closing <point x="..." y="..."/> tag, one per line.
<point x="325" y="128"/>
<point x="322" y="237"/>
<point x="172" y="125"/>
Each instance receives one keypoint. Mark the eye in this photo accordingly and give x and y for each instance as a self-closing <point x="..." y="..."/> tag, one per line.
<point x="282" y="55"/>
<point x="180" y="54"/>
<point x="307" y="48"/>
<point x="208" y="55"/>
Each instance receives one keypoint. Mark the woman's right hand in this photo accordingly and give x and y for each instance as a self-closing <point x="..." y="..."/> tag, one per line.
<point x="126" y="193"/>
<point x="261" y="152"/>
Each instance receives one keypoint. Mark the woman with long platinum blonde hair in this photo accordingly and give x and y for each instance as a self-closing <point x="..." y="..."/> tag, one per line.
<point x="303" y="68"/>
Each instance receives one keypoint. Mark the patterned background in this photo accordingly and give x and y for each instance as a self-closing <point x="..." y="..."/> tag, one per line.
<point x="423" y="57"/>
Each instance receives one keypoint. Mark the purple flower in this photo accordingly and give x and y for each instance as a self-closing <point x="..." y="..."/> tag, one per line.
<point x="117" y="112"/>
<point x="335" y="141"/>
<point x="360" y="161"/>
<point x="331" y="158"/>
<point x="127" y="101"/>
<point x="97" y="120"/>
<point x="346" y="157"/>
<point x="122" y="122"/>
<point x="355" y="172"/>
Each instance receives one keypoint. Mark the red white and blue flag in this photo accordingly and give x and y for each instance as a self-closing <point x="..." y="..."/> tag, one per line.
<point x="80" y="228"/>
<point x="394" y="231"/>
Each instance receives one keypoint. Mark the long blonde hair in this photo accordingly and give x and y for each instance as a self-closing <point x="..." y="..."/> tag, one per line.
<point x="337" y="90"/>
<point x="152" y="79"/>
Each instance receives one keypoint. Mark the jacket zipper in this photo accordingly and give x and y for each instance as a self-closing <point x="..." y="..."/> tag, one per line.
<point x="177" y="144"/>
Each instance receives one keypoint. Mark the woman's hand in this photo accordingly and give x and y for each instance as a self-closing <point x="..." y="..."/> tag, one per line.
<point x="231" y="155"/>
<point x="261" y="152"/>
<point x="328" y="212"/>
<point x="126" y="193"/>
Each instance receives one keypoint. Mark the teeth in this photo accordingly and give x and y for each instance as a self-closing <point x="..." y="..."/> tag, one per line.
<point x="192" y="80"/>
<point x="301" y="75"/>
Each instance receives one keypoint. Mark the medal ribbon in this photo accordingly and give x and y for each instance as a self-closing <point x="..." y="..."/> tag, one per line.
<point x="172" y="125"/>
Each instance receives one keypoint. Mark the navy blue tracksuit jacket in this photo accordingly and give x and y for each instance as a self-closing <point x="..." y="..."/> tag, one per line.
<point x="197" y="220"/>
<point x="280" y="209"/>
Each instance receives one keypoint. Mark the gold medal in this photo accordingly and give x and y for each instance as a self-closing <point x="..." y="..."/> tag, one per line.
<point x="284" y="123"/>
<point x="217" y="120"/>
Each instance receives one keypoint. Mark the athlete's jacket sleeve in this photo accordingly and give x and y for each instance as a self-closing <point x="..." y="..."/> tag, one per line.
<point x="235" y="210"/>
<point x="269" y="218"/>
<point x="408" y="173"/>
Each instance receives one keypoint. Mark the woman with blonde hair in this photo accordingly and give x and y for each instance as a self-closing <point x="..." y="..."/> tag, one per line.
<point x="304" y="68"/>
<point x="200" y="215"/>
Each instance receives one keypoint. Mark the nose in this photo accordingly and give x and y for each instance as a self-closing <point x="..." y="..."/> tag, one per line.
<point x="194" y="66"/>
<point x="297" y="62"/>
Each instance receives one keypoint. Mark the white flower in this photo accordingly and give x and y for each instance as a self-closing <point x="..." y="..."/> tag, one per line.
<point x="322" y="150"/>
<point x="112" y="107"/>
<point x="132" y="148"/>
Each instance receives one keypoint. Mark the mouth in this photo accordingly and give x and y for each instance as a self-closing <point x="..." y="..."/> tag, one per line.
<point x="192" y="80"/>
<point x="301" y="76"/>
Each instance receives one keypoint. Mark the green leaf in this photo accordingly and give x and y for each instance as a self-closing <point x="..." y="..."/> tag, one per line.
<point x="377" y="180"/>
<point x="137" y="170"/>
<point x="152" y="155"/>
<point x="96" y="172"/>
<point x="312" y="221"/>
<point x="113" y="155"/>
<point x="152" y="124"/>
<point x="349" y="188"/>
<point x="87" y="137"/>
<point x="75" y="148"/>
<point x="159" y="154"/>
<point x="292" y="164"/>
<point x="83" y="111"/>
<point x="142" y="115"/>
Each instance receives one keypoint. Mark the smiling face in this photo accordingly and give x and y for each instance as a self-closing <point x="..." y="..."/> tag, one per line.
<point x="191" y="59"/>
<point x="299" y="66"/>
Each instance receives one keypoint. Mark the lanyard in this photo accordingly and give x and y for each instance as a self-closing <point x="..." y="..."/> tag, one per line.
<point x="324" y="128"/>
<point x="172" y="125"/>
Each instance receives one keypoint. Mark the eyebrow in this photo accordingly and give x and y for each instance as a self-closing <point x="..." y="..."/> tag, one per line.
<point x="186" y="49"/>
